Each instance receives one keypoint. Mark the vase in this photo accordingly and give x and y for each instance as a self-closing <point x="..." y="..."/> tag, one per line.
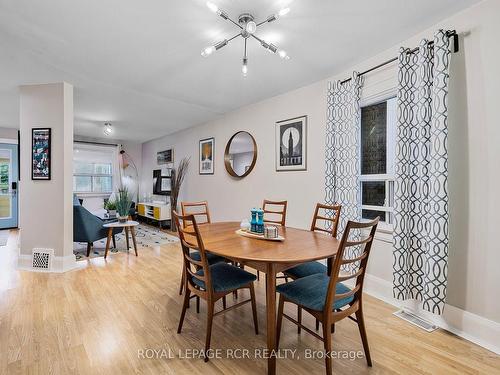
<point x="123" y="219"/>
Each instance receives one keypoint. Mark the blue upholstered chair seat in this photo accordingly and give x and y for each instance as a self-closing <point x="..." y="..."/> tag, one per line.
<point x="226" y="277"/>
<point x="211" y="258"/>
<point x="310" y="292"/>
<point x="306" y="269"/>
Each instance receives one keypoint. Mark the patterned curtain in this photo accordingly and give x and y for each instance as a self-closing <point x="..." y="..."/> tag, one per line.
<point x="421" y="190"/>
<point x="342" y="150"/>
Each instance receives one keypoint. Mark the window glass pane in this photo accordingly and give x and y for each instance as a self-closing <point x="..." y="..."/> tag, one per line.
<point x="370" y="214"/>
<point x="82" y="183"/>
<point x="373" y="139"/>
<point x="373" y="193"/>
<point x="102" y="184"/>
<point x="102" y="168"/>
<point x="82" y="167"/>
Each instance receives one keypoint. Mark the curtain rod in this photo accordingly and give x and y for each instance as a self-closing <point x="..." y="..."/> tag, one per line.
<point x="449" y="34"/>
<point x="96" y="143"/>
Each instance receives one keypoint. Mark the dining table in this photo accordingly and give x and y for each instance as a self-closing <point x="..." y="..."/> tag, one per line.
<point x="270" y="257"/>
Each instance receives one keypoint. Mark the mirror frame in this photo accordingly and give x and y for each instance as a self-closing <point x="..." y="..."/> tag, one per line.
<point x="227" y="161"/>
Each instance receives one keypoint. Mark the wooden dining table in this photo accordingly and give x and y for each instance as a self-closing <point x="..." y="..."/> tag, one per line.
<point x="270" y="257"/>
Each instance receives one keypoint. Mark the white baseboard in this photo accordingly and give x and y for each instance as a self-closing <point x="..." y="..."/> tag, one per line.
<point x="59" y="264"/>
<point x="472" y="327"/>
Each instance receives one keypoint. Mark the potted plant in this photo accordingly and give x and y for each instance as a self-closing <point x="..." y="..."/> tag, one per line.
<point x="110" y="206"/>
<point x="123" y="203"/>
<point x="177" y="177"/>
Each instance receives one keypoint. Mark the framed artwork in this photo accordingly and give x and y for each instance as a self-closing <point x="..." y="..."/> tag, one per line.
<point x="162" y="183"/>
<point x="207" y="152"/>
<point x="291" y="142"/>
<point x="40" y="153"/>
<point x="165" y="157"/>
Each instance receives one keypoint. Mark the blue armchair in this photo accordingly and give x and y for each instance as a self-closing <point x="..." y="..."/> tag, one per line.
<point x="89" y="228"/>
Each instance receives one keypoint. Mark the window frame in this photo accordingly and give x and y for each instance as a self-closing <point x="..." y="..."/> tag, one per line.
<point x="388" y="178"/>
<point x="92" y="176"/>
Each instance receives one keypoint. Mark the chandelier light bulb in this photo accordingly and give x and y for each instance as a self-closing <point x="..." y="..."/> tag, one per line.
<point x="283" y="12"/>
<point x="214" y="8"/>
<point x="107" y="129"/>
<point x="244" y="67"/>
<point x="251" y="27"/>
<point x="283" y="54"/>
<point x="208" y="51"/>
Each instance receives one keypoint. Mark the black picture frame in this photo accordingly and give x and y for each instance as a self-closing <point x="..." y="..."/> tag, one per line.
<point x="297" y="160"/>
<point x="202" y="170"/>
<point x="41" y="154"/>
<point x="160" y="181"/>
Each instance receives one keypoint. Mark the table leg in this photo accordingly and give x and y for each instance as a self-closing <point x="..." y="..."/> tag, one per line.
<point x="126" y="237"/>
<point x="108" y="241"/>
<point x="132" y="231"/>
<point x="271" y="317"/>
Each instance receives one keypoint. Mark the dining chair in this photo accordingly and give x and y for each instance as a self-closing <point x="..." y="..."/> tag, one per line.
<point x="326" y="297"/>
<point x="325" y="213"/>
<point x="198" y="209"/>
<point x="273" y="209"/>
<point x="209" y="282"/>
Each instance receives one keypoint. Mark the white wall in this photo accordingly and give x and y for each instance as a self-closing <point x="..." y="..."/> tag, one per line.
<point x="474" y="140"/>
<point x="46" y="209"/>
<point x="8" y="134"/>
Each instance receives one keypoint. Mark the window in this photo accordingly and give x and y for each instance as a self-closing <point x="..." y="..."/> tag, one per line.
<point x="93" y="169"/>
<point x="378" y="126"/>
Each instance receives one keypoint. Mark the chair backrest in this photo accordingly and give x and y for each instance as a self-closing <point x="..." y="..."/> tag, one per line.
<point x="198" y="209"/>
<point x="190" y="237"/>
<point x="352" y="237"/>
<point x="326" y="213"/>
<point x="274" y="209"/>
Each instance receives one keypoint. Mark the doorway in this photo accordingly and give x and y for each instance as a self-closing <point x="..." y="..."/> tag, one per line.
<point x="9" y="178"/>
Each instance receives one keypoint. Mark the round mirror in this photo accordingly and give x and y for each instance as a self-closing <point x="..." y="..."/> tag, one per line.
<point x="240" y="155"/>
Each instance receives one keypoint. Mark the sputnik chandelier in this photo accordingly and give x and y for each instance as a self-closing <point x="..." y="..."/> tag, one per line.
<point x="247" y="25"/>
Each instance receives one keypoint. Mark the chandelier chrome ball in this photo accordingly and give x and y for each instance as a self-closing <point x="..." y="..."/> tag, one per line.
<point x="248" y="27"/>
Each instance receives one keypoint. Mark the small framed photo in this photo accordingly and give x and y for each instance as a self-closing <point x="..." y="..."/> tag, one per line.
<point x="40" y="153"/>
<point x="207" y="152"/>
<point x="165" y="157"/>
<point x="291" y="144"/>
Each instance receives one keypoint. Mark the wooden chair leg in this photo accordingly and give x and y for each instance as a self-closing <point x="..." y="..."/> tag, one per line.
<point x="182" y="281"/>
<point x="254" y="309"/>
<point x="184" y="307"/>
<point x="299" y="318"/>
<point x="114" y="242"/>
<point x="197" y="304"/>
<point x="280" y="320"/>
<point x="364" y="338"/>
<point x="327" y="341"/>
<point x="210" y="317"/>
<point x="89" y="247"/>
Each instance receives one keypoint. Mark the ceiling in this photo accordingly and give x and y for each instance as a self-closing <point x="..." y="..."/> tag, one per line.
<point x="137" y="64"/>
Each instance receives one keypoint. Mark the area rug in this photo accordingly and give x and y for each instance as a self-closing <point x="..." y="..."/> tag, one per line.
<point x="145" y="235"/>
<point x="4" y="237"/>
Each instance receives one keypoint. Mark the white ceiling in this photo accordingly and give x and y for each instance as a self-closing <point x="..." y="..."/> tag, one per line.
<point x="138" y="64"/>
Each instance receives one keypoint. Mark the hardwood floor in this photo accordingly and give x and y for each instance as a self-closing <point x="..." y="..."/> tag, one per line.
<point x="103" y="318"/>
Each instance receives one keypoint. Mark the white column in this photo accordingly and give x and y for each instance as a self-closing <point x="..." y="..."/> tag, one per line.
<point x="46" y="207"/>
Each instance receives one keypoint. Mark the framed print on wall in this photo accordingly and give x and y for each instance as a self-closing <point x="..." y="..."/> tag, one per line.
<point x="40" y="153"/>
<point x="207" y="152"/>
<point x="165" y="157"/>
<point x="291" y="142"/>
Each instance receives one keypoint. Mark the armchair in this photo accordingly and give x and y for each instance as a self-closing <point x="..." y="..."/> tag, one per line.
<point x="89" y="228"/>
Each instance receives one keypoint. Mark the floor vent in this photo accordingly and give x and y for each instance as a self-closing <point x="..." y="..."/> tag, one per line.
<point x="42" y="259"/>
<point x="416" y="320"/>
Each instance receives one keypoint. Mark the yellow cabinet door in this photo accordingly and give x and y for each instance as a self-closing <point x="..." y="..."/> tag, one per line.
<point x="141" y="209"/>
<point x="156" y="213"/>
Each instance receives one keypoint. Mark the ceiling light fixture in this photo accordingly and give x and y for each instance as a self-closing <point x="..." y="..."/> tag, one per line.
<point x="108" y="129"/>
<point x="248" y="27"/>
